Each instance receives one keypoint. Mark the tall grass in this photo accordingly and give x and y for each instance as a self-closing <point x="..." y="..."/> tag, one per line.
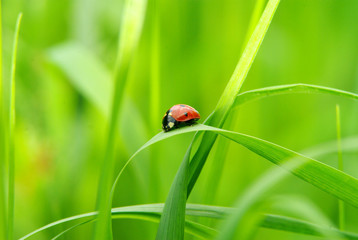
<point x="341" y="214"/>
<point x="3" y="219"/>
<point x="77" y="124"/>
<point x="130" y="30"/>
<point x="12" y="116"/>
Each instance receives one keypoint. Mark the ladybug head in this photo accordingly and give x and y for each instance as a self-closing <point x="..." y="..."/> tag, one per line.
<point x="168" y="122"/>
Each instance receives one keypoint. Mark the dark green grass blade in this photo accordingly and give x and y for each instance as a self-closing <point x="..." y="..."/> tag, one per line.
<point x="11" y="191"/>
<point x="257" y="94"/>
<point x="172" y="221"/>
<point x="221" y="111"/>
<point x="319" y="174"/>
<point x="151" y="212"/>
<point x="232" y="89"/>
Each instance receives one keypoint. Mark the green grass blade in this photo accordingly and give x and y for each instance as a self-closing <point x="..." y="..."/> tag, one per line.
<point x="319" y="174"/>
<point x="257" y="94"/>
<point x="232" y="89"/>
<point x="154" y="101"/>
<point x="171" y="224"/>
<point x="133" y="17"/>
<point x="242" y="220"/>
<point x="155" y="64"/>
<point x="151" y="212"/>
<point x="341" y="207"/>
<point x="224" y="105"/>
<point x="299" y="226"/>
<point x="3" y="214"/>
<point x="11" y="187"/>
<point x="220" y="153"/>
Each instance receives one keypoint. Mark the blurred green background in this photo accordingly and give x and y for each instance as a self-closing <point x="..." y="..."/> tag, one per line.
<point x="60" y="133"/>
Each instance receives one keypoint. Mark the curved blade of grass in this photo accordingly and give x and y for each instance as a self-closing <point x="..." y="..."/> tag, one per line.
<point x="152" y="212"/>
<point x="245" y="217"/>
<point x="11" y="187"/>
<point x="318" y="174"/>
<point x="303" y="208"/>
<point x="257" y="94"/>
<point x="149" y="212"/>
<point x="133" y="17"/>
<point x="197" y="230"/>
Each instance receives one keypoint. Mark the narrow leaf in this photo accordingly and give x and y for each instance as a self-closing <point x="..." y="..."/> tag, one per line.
<point x="257" y="94"/>
<point x="151" y="212"/>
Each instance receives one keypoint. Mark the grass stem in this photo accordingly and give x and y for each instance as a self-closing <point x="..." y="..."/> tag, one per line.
<point x="3" y="219"/>
<point x="341" y="206"/>
<point x="11" y="145"/>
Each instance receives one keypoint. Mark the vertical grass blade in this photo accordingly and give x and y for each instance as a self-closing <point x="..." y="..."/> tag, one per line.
<point x="340" y="167"/>
<point x="172" y="222"/>
<point x="11" y="145"/>
<point x="155" y="65"/>
<point x="132" y="21"/>
<point x="217" y="119"/>
<point x="232" y="89"/>
<point x="221" y="152"/>
<point x="154" y="114"/>
<point x="3" y="219"/>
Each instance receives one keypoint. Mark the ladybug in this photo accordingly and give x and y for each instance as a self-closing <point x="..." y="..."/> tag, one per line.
<point x="179" y="115"/>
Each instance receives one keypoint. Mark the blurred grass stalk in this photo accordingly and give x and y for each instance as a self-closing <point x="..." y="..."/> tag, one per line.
<point x="3" y="220"/>
<point x="130" y="29"/>
<point x="341" y="214"/>
<point x="154" y="96"/>
<point x="11" y="139"/>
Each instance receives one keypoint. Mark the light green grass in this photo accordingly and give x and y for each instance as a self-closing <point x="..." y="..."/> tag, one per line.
<point x="175" y="212"/>
<point x="3" y="211"/>
<point x="12" y="116"/>
<point x="341" y="208"/>
<point x="152" y="212"/>
<point x="186" y="52"/>
<point x="130" y="30"/>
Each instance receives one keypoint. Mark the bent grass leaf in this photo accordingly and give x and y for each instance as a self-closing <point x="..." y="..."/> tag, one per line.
<point x="319" y="174"/>
<point x="151" y="212"/>
<point x="257" y="94"/>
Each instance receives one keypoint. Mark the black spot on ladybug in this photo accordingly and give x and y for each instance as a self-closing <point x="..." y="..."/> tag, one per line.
<point x="182" y="105"/>
<point x="186" y="114"/>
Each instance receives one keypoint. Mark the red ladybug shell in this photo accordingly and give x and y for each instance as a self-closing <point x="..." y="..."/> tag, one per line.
<point x="183" y="113"/>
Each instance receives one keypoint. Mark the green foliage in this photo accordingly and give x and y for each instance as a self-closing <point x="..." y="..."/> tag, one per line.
<point x="89" y="95"/>
<point x="151" y="212"/>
